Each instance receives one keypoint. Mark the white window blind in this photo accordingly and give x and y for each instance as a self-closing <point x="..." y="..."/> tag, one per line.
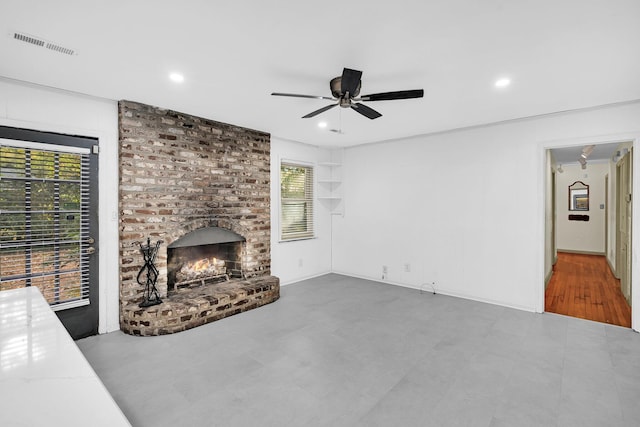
<point x="44" y="220"/>
<point x="296" y="201"/>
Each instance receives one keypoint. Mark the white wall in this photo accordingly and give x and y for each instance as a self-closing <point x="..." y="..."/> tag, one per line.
<point x="581" y="236"/>
<point x="44" y="109"/>
<point x="293" y="261"/>
<point x="466" y="209"/>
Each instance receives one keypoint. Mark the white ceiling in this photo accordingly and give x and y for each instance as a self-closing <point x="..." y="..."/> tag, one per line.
<point x="571" y="155"/>
<point x="560" y="55"/>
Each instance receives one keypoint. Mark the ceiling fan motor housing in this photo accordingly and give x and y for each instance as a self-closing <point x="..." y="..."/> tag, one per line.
<point x="336" y="88"/>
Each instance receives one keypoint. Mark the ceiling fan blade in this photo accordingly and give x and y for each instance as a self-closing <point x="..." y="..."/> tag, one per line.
<point x="389" y="96"/>
<point x="366" y="111"/>
<point x="322" y="110"/>
<point x="350" y="81"/>
<point x="295" y="95"/>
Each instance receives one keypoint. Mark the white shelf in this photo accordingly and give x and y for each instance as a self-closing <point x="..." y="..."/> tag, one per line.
<point x="329" y="180"/>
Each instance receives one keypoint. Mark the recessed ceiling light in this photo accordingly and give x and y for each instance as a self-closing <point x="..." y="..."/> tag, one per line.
<point x="322" y="125"/>
<point x="504" y="82"/>
<point x="176" y="77"/>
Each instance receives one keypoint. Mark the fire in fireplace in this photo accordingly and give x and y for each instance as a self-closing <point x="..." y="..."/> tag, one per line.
<point x="207" y="255"/>
<point x="202" y="269"/>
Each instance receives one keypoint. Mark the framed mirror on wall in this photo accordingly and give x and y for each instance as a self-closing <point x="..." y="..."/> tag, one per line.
<point x="578" y="196"/>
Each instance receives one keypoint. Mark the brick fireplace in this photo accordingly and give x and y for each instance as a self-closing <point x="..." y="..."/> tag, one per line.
<point x="182" y="175"/>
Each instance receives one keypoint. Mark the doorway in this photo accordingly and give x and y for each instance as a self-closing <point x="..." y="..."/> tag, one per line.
<point x="592" y="276"/>
<point x="48" y="222"/>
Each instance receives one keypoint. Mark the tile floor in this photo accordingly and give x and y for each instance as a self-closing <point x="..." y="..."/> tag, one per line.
<point x="340" y="351"/>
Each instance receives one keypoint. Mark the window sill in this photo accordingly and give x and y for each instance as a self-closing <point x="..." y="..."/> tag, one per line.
<point x="297" y="239"/>
<point x="69" y="304"/>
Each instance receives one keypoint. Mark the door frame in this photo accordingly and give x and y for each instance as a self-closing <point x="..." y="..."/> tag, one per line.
<point x="624" y="169"/>
<point x="543" y="176"/>
<point x="554" y="230"/>
<point x="606" y="218"/>
<point x="79" y="320"/>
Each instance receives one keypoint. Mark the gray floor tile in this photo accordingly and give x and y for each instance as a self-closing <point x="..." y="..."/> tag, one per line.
<point x="338" y="351"/>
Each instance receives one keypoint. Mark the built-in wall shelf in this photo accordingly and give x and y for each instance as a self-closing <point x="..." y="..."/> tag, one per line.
<point x="329" y="182"/>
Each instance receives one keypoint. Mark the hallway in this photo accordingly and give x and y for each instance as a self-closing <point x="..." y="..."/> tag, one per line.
<point x="583" y="286"/>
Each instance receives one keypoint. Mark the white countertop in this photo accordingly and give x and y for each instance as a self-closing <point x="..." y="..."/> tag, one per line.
<point x="44" y="378"/>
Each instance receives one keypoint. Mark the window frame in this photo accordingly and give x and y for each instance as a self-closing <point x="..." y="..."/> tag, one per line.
<point x="309" y="199"/>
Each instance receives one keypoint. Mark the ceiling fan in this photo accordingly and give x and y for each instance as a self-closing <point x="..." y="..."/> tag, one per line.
<point x="345" y="90"/>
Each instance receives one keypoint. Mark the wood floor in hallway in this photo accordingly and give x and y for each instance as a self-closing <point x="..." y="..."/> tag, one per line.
<point x="583" y="286"/>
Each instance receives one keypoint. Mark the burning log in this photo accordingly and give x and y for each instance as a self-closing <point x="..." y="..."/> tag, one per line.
<point x="201" y="269"/>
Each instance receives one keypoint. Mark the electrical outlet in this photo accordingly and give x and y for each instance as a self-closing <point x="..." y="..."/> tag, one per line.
<point x="407" y="268"/>
<point x="384" y="272"/>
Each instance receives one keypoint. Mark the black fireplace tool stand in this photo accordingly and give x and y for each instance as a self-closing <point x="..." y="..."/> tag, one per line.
<point x="148" y="280"/>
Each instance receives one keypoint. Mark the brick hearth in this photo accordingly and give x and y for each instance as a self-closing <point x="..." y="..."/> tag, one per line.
<point x="191" y="307"/>
<point x="179" y="173"/>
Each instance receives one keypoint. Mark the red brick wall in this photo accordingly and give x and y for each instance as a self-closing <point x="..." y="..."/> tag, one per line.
<point x="179" y="173"/>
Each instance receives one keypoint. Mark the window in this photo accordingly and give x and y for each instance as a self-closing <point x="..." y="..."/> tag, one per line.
<point x="296" y="201"/>
<point x="44" y="220"/>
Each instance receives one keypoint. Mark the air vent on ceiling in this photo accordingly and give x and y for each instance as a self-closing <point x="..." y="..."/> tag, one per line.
<point x="58" y="48"/>
<point x="43" y="43"/>
<point x="28" y="39"/>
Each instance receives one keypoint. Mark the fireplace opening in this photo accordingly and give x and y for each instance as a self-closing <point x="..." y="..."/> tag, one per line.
<point x="204" y="256"/>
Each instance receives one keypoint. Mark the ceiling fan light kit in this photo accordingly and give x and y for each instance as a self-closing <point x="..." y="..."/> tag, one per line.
<point x="345" y="90"/>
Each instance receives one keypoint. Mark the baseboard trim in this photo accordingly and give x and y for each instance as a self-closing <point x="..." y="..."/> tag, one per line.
<point x="301" y="279"/>
<point x="440" y="291"/>
<point x="548" y="278"/>
<point x="613" y="270"/>
<point x="571" y="251"/>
